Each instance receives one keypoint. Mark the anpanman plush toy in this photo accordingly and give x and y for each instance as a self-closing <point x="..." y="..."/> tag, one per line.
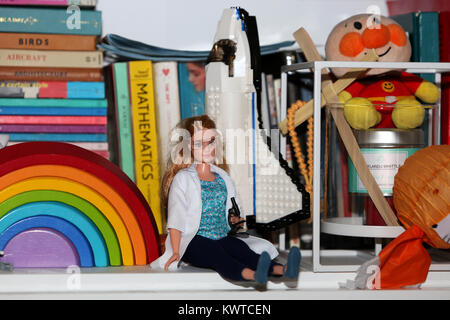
<point x="383" y="98"/>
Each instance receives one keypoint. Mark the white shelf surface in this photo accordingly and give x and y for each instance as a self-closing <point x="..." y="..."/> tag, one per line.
<point x="194" y="284"/>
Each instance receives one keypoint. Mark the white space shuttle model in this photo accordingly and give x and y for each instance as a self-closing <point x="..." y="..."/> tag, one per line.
<point x="271" y="194"/>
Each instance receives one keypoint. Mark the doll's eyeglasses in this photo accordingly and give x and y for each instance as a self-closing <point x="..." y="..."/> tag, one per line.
<point x="199" y="143"/>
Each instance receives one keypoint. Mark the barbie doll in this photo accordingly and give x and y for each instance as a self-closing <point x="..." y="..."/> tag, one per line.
<point x="197" y="190"/>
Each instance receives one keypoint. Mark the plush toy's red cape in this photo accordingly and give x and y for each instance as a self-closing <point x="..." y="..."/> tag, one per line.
<point x="404" y="261"/>
<point x="385" y="91"/>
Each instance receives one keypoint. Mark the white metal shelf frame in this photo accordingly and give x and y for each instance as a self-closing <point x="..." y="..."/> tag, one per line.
<point x="339" y="228"/>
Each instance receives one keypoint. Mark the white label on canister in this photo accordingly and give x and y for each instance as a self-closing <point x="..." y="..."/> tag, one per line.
<point x="383" y="164"/>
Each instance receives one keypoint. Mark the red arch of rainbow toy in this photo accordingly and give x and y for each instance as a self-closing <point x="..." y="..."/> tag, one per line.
<point x="64" y="161"/>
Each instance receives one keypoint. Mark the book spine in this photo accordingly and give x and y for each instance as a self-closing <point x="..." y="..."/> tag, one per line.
<point x="59" y="21"/>
<point x="50" y="74"/>
<point x="55" y="103"/>
<point x="57" y="137"/>
<point x="51" y="111"/>
<point x="145" y="135"/>
<point x="271" y="100"/>
<point x="192" y="101"/>
<point x="444" y="55"/>
<point x="54" y="59"/>
<point x="52" y="89"/>
<point x="264" y="103"/>
<point x="94" y="120"/>
<point x="428" y="39"/>
<point x="85" y="90"/>
<point x="445" y="109"/>
<point x="40" y="41"/>
<point x="93" y="146"/>
<point x="30" y="128"/>
<point x="82" y="3"/>
<point x="123" y="122"/>
<point x="103" y="153"/>
<point x="167" y="106"/>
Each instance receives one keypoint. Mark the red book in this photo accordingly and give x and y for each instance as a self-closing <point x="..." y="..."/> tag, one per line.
<point x="51" y="128"/>
<point x="91" y="120"/>
<point x="444" y="53"/>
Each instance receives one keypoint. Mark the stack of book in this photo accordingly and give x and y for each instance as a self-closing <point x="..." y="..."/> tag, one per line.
<point x="51" y="80"/>
<point x="146" y="106"/>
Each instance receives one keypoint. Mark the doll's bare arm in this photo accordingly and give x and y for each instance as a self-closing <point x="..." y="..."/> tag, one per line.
<point x="175" y="238"/>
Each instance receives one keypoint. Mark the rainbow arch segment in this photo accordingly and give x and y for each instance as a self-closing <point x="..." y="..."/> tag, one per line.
<point x="118" y="213"/>
<point x="40" y="248"/>
<point x="36" y="153"/>
<point x="82" y="205"/>
<point x="64" y="212"/>
<point x="75" y="236"/>
<point x="68" y="186"/>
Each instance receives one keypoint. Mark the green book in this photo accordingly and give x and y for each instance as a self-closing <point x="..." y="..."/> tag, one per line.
<point x="123" y="116"/>
<point x="50" y="20"/>
<point x="423" y="30"/>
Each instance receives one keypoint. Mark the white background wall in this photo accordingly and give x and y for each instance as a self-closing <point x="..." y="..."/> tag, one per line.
<point x="191" y="24"/>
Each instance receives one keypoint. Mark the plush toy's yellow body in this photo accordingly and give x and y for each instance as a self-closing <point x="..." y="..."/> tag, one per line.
<point x="384" y="98"/>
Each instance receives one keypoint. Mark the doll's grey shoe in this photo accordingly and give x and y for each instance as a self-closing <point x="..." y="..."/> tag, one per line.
<point x="262" y="269"/>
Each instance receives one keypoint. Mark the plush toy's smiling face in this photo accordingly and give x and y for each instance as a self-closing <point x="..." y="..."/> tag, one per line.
<point x="351" y="39"/>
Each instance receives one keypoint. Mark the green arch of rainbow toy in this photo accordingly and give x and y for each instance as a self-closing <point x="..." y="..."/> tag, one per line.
<point x="93" y="187"/>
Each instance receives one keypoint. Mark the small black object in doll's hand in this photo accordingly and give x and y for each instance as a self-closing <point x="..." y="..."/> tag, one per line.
<point x="235" y="227"/>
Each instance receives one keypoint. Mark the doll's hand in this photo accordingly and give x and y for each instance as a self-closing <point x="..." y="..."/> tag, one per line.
<point x="235" y="220"/>
<point x="174" y="257"/>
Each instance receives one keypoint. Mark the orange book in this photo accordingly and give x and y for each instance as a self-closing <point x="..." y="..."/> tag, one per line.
<point x="50" y="74"/>
<point x="41" y="41"/>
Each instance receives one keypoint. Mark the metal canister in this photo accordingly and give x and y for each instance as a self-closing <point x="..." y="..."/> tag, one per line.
<point x="385" y="151"/>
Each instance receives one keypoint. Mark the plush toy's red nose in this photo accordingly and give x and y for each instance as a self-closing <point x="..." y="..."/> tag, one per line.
<point x="376" y="37"/>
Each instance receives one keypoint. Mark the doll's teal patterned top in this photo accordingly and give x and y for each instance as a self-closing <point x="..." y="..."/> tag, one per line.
<point x="214" y="224"/>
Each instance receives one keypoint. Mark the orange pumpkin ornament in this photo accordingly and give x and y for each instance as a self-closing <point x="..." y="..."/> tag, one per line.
<point x="422" y="201"/>
<point x="422" y="191"/>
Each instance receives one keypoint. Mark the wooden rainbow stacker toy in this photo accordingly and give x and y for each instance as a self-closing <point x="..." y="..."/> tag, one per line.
<point x="62" y="205"/>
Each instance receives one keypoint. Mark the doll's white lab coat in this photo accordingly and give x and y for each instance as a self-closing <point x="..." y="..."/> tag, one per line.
<point x="185" y="212"/>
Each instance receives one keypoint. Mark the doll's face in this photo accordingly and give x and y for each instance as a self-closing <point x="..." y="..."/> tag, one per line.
<point x="203" y="145"/>
<point x="351" y="39"/>
<point x="197" y="75"/>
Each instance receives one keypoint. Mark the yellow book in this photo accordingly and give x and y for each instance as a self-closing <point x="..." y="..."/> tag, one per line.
<point x="145" y="135"/>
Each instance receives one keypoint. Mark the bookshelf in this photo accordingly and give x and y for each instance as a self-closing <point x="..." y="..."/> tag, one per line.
<point x="352" y="226"/>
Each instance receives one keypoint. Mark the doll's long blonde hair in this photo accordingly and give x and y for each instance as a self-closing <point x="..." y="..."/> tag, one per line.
<point x="177" y="160"/>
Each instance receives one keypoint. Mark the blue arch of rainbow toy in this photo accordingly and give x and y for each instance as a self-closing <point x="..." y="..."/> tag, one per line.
<point x="85" y="207"/>
<point x="77" y="238"/>
<point x="63" y="212"/>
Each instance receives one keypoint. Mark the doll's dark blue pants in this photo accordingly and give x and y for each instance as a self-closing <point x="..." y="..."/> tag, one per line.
<point x="227" y="256"/>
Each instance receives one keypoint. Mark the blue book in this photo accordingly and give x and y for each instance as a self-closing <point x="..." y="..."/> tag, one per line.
<point x="50" y="20"/>
<point x="60" y="103"/>
<point x="68" y="137"/>
<point x="191" y="80"/>
<point x="53" y="111"/>
<point x="85" y="90"/>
